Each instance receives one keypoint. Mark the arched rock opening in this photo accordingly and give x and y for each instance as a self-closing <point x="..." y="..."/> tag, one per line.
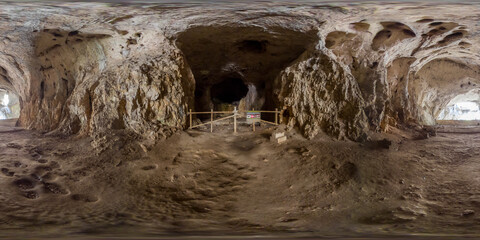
<point x="439" y="84"/>
<point x="230" y="90"/>
<point x="9" y="105"/>
<point x="236" y="66"/>
<point x="464" y="107"/>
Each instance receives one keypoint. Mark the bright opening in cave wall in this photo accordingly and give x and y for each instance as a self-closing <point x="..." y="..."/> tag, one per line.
<point x="9" y="105"/>
<point x="463" y="107"/>
<point x="462" y="111"/>
<point x="5" y="100"/>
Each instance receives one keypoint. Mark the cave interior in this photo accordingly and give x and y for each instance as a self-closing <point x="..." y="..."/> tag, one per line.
<point x="379" y="133"/>
<point x="237" y="66"/>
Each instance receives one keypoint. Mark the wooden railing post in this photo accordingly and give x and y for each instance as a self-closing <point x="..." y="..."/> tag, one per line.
<point x="235" y="120"/>
<point x="276" y="116"/>
<point x="281" y="116"/>
<point x="253" y="124"/>
<point x="211" y="120"/>
<point x="190" y="119"/>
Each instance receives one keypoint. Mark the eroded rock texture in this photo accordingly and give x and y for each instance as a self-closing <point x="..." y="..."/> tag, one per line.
<point x="322" y="96"/>
<point x="88" y="68"/>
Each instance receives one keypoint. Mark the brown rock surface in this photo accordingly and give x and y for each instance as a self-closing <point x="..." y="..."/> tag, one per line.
<point x="85" y="68"/>
<point x="108" y="87"/>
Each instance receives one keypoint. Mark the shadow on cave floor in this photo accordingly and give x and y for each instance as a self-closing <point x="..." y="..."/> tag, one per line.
<point x="200" y="184"/>
<point x="471" y="127"/>
<point x="8" y="125"/>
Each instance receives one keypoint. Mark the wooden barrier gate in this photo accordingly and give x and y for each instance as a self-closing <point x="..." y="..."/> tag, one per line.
<point x="235" y="113"/>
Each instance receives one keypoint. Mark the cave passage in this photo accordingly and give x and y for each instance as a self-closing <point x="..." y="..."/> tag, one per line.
<point x="230" y="90"/>
<point x="465" y="111"/>
<point x="237" y="66"/>
<point x="9" y="105"/>
<point x="461" y="109"/>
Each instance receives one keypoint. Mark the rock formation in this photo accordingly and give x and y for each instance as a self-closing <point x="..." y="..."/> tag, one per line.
<point x="88" y="68"/>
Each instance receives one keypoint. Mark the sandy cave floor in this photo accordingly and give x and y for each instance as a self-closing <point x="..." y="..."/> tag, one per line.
<point x="218" y="183"/>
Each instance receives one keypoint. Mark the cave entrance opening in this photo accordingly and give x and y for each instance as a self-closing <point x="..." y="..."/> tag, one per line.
<point x="236" y="66"/>
<point x="9" y="105"/>
<point x="463" y="109"/>
<point x="227" y="93"/>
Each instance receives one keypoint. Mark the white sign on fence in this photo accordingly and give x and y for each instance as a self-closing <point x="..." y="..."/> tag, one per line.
<point x="253" y="117"/>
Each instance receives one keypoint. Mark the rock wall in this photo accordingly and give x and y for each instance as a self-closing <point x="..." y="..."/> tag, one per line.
<point x="91" y="83"/>
<point x="90" y="68"/>
<point x="319" y="94"/>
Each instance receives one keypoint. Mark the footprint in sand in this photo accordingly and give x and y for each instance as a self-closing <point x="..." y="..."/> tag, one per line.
<point x="36" y="176"/>
<point x="54" y="165"/>
<point x="49" y="176"/>
<point x="43" y="173"/>
<point x="14" y="145"/>
<point x="31" y="195"/>
<point x="42" y="160"/>
<point x="24" y="183"/>
<point x="84" y="198"/>
<point x="149" y="167"/>
<point x="54" y="188"/>
<point x="7" y="172"/>
<point x="47" y="168"/>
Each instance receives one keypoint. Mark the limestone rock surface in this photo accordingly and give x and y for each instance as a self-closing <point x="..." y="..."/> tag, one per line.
<point x="88" y="68"/>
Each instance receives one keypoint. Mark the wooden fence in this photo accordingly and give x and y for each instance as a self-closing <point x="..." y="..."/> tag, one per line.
<point x="235" y="113"/>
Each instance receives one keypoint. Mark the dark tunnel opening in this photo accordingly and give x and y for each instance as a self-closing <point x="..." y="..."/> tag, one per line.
<point x="253" y="46"/>
<point x="231" y="91"/>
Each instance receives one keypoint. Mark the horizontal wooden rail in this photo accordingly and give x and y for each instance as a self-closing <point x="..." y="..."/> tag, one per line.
<point x="265" y="111"/>
<point x="232" y="112"/>
<point x="235" y="113"/>
<point x="261" y="120"/>
<point x="216" y="120"/>
<point x="210" y="112"/>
